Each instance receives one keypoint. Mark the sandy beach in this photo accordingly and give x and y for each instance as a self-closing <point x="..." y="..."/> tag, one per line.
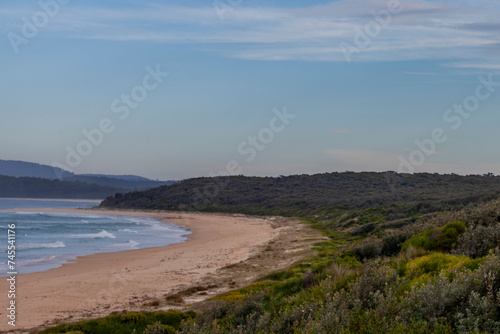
<point x="99" y="284"/>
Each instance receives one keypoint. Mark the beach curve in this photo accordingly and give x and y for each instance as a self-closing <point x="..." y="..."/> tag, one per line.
<point x="95" y="285"/>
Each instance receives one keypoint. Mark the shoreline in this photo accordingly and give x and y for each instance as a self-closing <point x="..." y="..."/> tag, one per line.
<point x="98" y="284"/>
<point x="104" y="212"/>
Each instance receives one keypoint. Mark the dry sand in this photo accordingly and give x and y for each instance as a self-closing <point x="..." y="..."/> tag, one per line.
<point x="96" y="285"/>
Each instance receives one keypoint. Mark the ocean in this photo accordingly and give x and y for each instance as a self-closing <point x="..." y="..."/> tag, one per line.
<point x="47" y="240"/>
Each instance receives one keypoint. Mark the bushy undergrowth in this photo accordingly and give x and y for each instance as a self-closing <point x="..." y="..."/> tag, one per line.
<point x="433" y="276"/>
<point x="428" y="273"/>
<point x="482" y="233"/>
<point x="438" y="293"/>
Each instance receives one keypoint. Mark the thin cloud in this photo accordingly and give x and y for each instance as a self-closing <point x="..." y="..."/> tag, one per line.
<point x="441" y="30"/>
<point x="482" y="66"/>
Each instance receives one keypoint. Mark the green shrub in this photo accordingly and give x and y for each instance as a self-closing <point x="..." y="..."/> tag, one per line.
<point x="469" y="300"/>
<point x="230" y="296"/>
<point x="173" y="318"/>
<point x="431" y="265"/>
<point x="423" y="240"/>
<point x="136" y="318"/>
<point x="242" y="314"/>
<point x="348" y="260"/>
<point x="279" y="276"/>
<point x="440" y="238"/>
<point x="241" y="293"/>
<point x="368" y="249"/>
<point x="158" y="328"/>
<point x="477" y="241"/>
<point x="287" y="288"/>
<point x="127" y="323"/>
<point x="451" y="232"/>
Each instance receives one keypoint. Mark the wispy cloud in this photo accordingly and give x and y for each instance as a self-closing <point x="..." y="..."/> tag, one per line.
<point x="484" y="66"/>
<point x="450" y="30"/>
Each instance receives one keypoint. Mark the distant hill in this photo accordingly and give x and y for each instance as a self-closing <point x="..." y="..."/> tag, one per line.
<point x="29" y="169"/>
<point x="130" y="184"/>
<point x="34" y="170"/>
<point x="312" y="195"/>
<point x="120" y="177"/>
<point x="29" y="187"/>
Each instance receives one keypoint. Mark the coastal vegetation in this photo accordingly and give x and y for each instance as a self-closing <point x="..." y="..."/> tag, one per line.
<point x="405" y="254"/>
<point x="325" y="195"/>
<point x="358" y="284"/>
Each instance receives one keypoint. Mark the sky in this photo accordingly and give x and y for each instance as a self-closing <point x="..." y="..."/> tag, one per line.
<point x="177" y="89"/>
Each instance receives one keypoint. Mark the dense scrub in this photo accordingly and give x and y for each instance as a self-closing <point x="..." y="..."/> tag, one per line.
<point x="425" y="287"/>
<point x="432" y="276"/>
<point x="379" y="297"/>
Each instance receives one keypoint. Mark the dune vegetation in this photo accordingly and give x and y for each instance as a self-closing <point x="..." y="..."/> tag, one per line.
<point x="388" y="266"/>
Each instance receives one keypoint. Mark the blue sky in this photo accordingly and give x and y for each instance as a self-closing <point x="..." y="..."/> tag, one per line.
<point x="365" y="81"/>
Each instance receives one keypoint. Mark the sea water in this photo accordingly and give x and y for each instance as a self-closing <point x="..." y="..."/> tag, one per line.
<point x="47" y="240"/>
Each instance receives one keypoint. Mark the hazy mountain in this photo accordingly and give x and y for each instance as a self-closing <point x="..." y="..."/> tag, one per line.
<point x="30" y="187"/>
<point x="120" y="177"/>
<point x="29" y="169"/>
<point x="126" y="182"/>
<point x="119" y="183"/>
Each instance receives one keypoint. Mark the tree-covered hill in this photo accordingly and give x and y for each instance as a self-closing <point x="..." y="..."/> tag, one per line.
<point x="30" y="187"/>
<point x="320" y="194"/>
<point x="34" y="170"/>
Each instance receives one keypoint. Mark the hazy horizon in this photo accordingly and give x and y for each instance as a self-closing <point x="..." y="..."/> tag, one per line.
<point x="174" y="90"/>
